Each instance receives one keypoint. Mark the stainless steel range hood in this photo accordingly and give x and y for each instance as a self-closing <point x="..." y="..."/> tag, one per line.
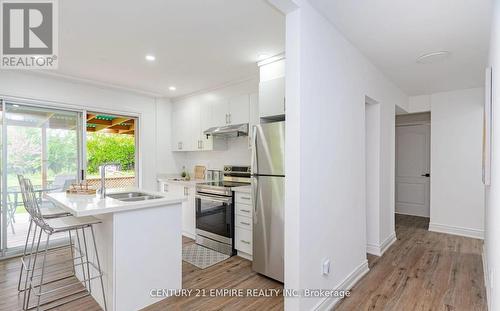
<point x="235" y="130"/>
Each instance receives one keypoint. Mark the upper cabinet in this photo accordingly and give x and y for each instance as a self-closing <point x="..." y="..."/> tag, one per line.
<point x="272" y="89"/>
<point x="233" y="110"/>
<point x="189" y="120"/>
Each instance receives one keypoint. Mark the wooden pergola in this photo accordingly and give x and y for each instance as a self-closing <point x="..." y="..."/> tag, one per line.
<point x="110" y="124"/>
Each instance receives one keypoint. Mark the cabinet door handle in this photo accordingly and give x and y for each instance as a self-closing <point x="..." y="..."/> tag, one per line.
<point x="245" y="210"/>
<point x="284" y="103"/>
<point x="245" y="223"/>
<point x="186" y="191"/>
<point x="246" y="242"/>
<point x="229" y="118"/>
<point x="165" y="188"/>
<point x="201" y="144"/>
<point x="245" y="198"/>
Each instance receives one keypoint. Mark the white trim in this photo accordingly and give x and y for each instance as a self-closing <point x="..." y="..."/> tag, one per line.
<point x="98" y="83"/>
<point x="486" y="273"/>
<point x="466" y="232"/>
<point x="379" y="250"/>
<point x="271" y="59"/>
<point x="347" y="284"/>
<point x="189" y="235"/>
<point x="245" y="255"/>
<point x="215" y="88"/>
<point x="391" y="239"/>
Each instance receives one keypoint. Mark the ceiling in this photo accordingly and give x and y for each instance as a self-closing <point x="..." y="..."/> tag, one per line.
<point x="197" y="44"/>
<point x="394" y="33"/>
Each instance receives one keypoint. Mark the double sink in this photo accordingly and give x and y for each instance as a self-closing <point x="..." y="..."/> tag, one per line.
<point x="133" y="196"/>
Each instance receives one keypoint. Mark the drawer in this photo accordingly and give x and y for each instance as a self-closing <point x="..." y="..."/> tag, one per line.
<point x="244" y="198"/>
<point x="243" y="222"/>
<point x="243" y="240"/>
<point x="243" y="209"/>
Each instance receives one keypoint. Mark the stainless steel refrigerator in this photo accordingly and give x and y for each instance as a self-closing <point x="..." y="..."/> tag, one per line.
<point x="268" y="187"/>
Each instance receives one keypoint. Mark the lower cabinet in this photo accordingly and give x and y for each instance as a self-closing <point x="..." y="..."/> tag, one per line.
<point x="188" y="206"/>
<point x="243" y="227"/>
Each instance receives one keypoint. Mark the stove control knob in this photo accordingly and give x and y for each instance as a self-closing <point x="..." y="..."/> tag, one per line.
<point x="226" y="168"/>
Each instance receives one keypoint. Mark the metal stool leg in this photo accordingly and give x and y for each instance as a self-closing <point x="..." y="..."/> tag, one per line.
<point x="43" y="272"/>
<point x="27" y="293"/>
<point x="23" y="263"/>
<point x="87" y="259"/>
<point x="81" y="256"/>
<point x="99" y="267"/>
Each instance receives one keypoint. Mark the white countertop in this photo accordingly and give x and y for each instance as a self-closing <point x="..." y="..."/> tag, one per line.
<point x="244" y="189"/>
<point x="177" y="180"/>
<point x="87" y="205"/>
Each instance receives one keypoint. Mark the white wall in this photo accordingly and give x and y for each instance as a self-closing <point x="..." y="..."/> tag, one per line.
<point x="327" y="81"/>
<point x="492" y="214"/>
<point x="237" y="153"/>
<point x="372" y="182"/>
<point x="457" y="192"/>
<point x="63" y="92"/>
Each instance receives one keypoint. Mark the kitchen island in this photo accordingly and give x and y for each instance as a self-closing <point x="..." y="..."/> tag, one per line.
<point x="139" y="243"/>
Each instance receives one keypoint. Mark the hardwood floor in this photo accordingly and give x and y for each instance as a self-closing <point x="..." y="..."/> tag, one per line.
<point x="422" y="271"/>
<point x="235" y="272"/>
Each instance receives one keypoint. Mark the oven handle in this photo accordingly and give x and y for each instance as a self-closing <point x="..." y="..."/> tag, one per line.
<point x="214" y="198"/>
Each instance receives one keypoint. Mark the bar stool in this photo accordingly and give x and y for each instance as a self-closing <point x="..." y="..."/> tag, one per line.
<point x="57" y="225"/>
<point x="47" y="211"/>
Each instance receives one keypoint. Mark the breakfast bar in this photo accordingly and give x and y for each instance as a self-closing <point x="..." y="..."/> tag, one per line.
<point x="139" y="243"/>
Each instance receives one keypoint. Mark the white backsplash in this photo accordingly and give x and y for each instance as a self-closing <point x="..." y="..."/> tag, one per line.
<point x="237" y="153"/>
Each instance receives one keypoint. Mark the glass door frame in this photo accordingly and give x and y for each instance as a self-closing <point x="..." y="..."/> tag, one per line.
<point x="6" y="252"/>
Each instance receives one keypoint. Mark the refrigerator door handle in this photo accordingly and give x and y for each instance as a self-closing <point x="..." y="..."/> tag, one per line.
<point x="253" y="165"/>
<point x="255" y="189"/>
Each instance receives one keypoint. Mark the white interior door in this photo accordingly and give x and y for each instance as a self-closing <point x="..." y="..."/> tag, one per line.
<point x="413" y="170"/>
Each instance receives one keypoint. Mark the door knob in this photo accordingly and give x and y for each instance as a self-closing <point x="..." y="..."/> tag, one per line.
<point x="426" y="175"/>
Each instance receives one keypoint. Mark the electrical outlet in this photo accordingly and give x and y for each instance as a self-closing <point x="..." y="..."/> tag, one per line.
<point x="326" y="267"/>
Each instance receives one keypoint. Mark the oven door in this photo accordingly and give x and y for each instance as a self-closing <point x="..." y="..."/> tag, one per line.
<point x="214" y="217"/>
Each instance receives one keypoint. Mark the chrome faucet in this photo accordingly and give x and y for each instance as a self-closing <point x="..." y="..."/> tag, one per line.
<point x="102" y="172"/>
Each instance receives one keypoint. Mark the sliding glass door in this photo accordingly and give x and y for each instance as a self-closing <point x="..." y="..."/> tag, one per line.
<point x="44" y="145"/>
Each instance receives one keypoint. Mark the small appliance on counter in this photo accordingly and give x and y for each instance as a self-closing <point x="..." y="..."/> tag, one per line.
<point x="215" y="209"/>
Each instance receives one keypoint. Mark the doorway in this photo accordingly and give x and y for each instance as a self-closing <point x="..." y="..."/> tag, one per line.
<point x="413" y="176"/>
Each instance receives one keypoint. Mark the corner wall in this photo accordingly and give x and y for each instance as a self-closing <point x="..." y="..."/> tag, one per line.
<point x="491" y="256"/>
<point x="457" y="191"/>
<point x="325" y="216"/>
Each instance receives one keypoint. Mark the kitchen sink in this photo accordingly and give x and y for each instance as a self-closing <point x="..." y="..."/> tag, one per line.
<point x="133" y="196"/>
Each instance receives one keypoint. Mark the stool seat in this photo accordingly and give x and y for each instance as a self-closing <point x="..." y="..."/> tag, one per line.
<point x="70" y="222"/>
<point x="52" y="211"/>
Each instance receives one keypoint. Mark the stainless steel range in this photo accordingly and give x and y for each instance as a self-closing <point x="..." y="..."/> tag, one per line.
<point x="215" y="209"/>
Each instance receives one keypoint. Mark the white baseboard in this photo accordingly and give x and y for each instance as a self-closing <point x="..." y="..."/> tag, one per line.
<point x="189" y="235"/>
<point x="245" y="255"/>
<point x="347" y="284"/>
<point x="486" y="271"/>
<point x="379" y="250"/>
<point x="466" y="232"/>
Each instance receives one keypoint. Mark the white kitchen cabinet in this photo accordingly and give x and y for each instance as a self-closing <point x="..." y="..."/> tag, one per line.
<point x="239" y="109"/>
<point x="220" y="111"/>
<point x="272" y="97"/>
<point x="243" y="227"/>
<point x="235" y="110"/>
<point x="188" y="206"/>
<point x="254" y="116"/>
<point x="189" y="120"/>
<point x="185" y="127"/>
<point x="272" y="88"/>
